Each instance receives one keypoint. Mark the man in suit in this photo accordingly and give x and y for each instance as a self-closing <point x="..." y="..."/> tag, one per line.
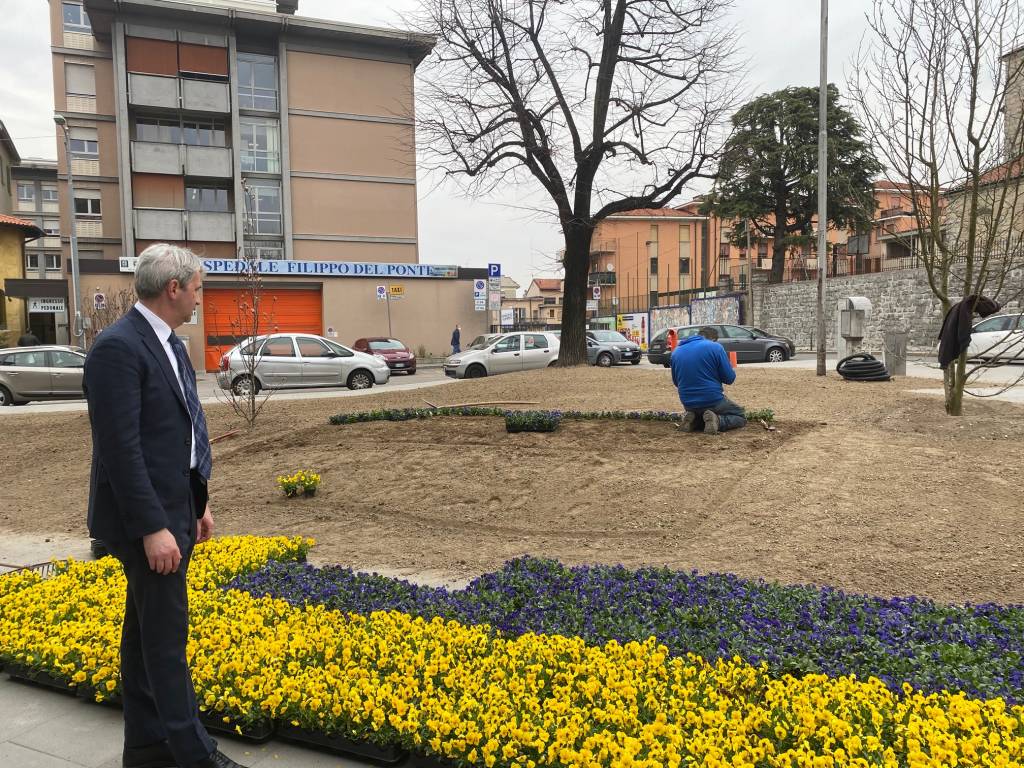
<point x="148" y="497"/>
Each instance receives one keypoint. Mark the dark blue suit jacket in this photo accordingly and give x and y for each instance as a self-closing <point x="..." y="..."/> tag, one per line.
<point x="141" y="437"/>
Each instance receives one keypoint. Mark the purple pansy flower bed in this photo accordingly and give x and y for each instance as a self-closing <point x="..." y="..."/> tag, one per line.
<point x="976" y="649"/>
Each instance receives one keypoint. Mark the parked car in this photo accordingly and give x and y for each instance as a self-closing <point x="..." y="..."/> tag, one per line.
<point x="508" y="353"/>
<point x="46" y="372"/>
<point x="751" y="345"/>
<point x="658" y="351"/>
<point x="998" y="338"/>
<point x="290" y="360"/>
<point x="483" y="340"/>
<point x="397" y="355"/>
<point x="600" y="353"/>
<point x="621" y="349"/>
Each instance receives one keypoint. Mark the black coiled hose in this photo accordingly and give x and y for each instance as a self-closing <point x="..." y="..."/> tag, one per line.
<point x="863" y="367"/>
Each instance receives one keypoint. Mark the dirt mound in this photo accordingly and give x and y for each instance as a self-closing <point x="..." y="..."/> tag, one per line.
<point x="864" y="486"/>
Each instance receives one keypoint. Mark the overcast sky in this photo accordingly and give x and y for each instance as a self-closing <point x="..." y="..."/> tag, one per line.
<point x="779" y="37"/>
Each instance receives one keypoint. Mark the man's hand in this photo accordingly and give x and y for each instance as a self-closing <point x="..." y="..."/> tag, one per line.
<point x="162" y="551"/>
<point x="204" y="526"/>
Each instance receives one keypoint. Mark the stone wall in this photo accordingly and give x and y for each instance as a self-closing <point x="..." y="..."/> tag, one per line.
<point x="901" y="300"/>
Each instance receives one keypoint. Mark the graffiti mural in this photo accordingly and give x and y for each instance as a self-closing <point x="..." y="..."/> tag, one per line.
<point x="668" y="317"/>
<point x="719" y="310"/>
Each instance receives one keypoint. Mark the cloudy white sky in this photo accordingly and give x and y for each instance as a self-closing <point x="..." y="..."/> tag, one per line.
<point x="779" y="38"/>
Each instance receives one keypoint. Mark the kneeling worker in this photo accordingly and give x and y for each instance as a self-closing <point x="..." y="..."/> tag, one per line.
<point x="700" y="367"/>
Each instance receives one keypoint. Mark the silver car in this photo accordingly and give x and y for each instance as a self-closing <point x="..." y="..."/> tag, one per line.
<point x="47" y="372"/>
<point x="508" y="353"/>
<point x="291" y="360"/>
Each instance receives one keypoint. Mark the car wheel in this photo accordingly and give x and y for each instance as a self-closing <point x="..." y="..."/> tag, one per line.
<point x="476" y="371"/>
<point x="5" y="397"/>
<point x="605" y="359"/>
<point x="245" y="385"/>
<point x="775" y="355"/>
<point x="635" y="362"/>
<point x="412" y="372"/>
<point x="360" y="380"/>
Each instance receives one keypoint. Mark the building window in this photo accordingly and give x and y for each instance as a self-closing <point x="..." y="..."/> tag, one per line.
<point x="84" y="143"/>
<point x="76" y="19"/>
<point x="263" y="208"/>
<point x="79" y="80"/>
<point x="257" y="82"/>
<point x="762" y="250"/>
<point x="208" y="199"/>
<point x="26" y="193"/>
<point x="203" y="133"/>
<point x="261" y="145"/>
<point x="724" y="250"/>
<point x="87" y="207"/>
<point x="152" y="129"/>
<point x="684" y="244"/>
<point x="265" y="251"/>
<point x="50" y="195"/>
<point x="52" y="261"/>
<point x="51" y="227"/>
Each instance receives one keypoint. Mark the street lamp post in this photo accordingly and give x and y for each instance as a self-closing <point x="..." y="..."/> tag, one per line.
<point x="77" y="325"/>
<point x="822" y="188"/>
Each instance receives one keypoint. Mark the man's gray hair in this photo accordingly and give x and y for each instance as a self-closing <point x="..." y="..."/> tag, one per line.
<point x="709" y="333"/>
<point x="161" y="263"/>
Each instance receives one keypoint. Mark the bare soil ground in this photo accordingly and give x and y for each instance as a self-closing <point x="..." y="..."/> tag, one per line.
<point x="864" y="486"/>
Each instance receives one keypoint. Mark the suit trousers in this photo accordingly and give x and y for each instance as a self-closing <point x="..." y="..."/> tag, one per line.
<point x="159" y="700"/>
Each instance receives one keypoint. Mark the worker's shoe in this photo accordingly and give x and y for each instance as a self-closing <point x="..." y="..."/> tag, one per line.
<point x="686" y="425"/>
<point x="711" y="423"/>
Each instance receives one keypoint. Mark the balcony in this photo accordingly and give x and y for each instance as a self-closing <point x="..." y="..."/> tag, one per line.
<point x="167" y="92"/>
<point x="205" y="96"/>
<point x="210" y="162"/>
<point x="601" y="278"/>
<point x="174" y="224"/>
<point x="210" y="227"/>
<point x="603" y="247"/>
<point x="175" y="159"/>
<point x="152" y="91"/>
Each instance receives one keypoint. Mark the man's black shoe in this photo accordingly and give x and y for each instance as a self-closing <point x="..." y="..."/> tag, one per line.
<point x="217" y="760"/>
<point x="154" y="756"/>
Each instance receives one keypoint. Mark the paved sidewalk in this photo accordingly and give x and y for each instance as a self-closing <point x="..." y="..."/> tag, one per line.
<point x="40" y="728"/>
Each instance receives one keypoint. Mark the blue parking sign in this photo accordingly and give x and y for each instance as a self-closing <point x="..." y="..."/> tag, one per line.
<point x="494" y="270"/>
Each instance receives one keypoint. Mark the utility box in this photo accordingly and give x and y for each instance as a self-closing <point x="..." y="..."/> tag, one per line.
<point x="853" y="313"/>
<point x="894" y="355"/>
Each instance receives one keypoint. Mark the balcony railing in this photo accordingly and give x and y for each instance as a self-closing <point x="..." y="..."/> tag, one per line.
<point x="601" y="278"/>
<point x="175" y="224"/>
<point x="175" y="159"/>
<point x="178" y="93"/>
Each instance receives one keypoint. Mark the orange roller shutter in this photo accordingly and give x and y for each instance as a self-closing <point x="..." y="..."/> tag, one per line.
<point x="289" y="310"/>
<point x="207" y="59"/>
<point x="151" y="57"/>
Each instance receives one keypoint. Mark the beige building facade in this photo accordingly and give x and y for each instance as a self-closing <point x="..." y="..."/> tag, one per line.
<point x="244" y="131"/>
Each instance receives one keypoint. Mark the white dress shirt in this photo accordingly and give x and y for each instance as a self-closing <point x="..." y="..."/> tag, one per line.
<point x="163" y="333"/>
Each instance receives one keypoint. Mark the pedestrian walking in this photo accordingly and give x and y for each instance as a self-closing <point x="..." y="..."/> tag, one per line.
<point x="457" y="340"/>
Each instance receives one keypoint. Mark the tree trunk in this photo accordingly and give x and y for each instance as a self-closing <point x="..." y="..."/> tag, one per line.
<point x="953" y="383"/>
<point x="778" y="256"/>
<point x="573" y="349"/>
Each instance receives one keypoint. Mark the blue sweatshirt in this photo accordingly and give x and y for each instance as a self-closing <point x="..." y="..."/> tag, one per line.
<point x="699" y="369"/>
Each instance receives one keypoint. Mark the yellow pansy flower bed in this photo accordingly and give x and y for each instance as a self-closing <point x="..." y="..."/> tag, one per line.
<point x="471" y="695"/>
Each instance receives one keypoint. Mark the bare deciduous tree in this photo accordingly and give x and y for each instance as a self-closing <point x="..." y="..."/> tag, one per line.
<point x="610" y="105"/>
<point x="939" y="88"/>
<point x="244" y="321"/>
<point x="115" y="306"/>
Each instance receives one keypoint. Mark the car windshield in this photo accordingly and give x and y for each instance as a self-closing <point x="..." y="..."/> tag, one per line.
<point x="387" y="344"/>
<point x="759" y="332"/>
<point x="607" y="336"/>
<point x="482" y="342"/>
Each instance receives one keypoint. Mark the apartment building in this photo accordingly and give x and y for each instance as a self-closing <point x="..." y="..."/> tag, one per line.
<point x="8" y="158"/>
<point x="236" y="127"/>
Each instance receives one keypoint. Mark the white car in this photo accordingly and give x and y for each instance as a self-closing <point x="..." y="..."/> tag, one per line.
<point x="290" y="360"/>
<point x="999" y="337"/>
<point x="507" y="353"/>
